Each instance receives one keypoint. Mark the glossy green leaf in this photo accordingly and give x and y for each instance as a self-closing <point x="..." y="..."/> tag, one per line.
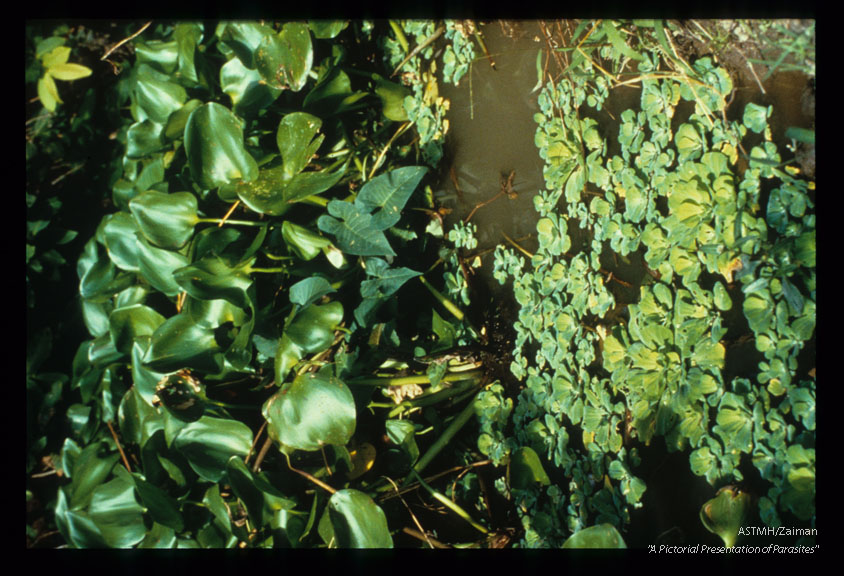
<point x="332" y="95"/>
<point x="157" y="97"/>
<point x="243" y="38"/>
<point x="248" y="92"/>
<point x="210" y="442"/>
<point x="181" y="343"/>
<point x="284" y="60"/>
<point x="326" y="29"/>
<point x="131" y="322"/>
<point x="724" y="515"/>
<point x="166" y="220"/>
<point x="601" y="536"/>
<point x="261" y="499"/>
<point x="159" y="537"/>
<point x="188" y="35"/>
<point x="214" y="147"/>
<point x="163" y="508"/>
<point x="358" y="522"/>
<point x="162" y="55"/>
<point x="210" y="279"/>
<point x="144" y="138"/>
<point x="175" y="127"/>
<point x="90" y="468"/>
<point x="311" y="331"/>
<point x="157" y="266"/>
<point x="121" y="241"/>
<point x="117" y="513"/>
<point x="76" y="526"/>
<point x="298" y="139"/>
<point x="525" y="470"/>
<point x="312" y="411"/>
<point x="271" y="193"/>
<point x="305" y="244"/>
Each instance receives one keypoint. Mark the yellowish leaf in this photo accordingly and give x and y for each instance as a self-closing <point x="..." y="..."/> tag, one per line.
<point x="56" y="57"/>
<point x="69" y="71"/>
<point x="47" y="92"/>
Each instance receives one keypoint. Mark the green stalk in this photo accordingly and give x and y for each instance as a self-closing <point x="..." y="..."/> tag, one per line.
<point x="446" y="437"/>
<point x="415" y="379"/>
<point x="447" y="304"/>
<point x="400" y="36"/>
<point x="451" y="505"/>
<point x="233" y="222"/>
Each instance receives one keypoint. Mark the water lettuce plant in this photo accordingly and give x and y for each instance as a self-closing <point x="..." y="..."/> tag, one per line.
<point x="723" y="228"/>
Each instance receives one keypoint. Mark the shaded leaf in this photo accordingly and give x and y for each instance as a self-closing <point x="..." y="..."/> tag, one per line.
<point x="357" y="521"/>
<point x="209" y="443"/>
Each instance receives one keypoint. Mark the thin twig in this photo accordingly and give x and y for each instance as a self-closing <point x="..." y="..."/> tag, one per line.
<point x="229" y="213"/>
<point x="419" y="49"/>
<point x="380" y="158"/>
<point x="125" y="40"/>
<point x="313" y="479"/>
<point x="68" y="173"/>
<point x="422" y="535"/>
<point x="254" y="443"/>
<point x="262" y="454"/>
<point x="119" y="447"/>
<point x="412" y="515"/>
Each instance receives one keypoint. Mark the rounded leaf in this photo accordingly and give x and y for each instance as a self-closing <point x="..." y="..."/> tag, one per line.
<point x="214" y="147"/>
<point x="525" y="469"/>
<point x="358" y="522"/>
<point x="724" y="515"/>
<point x="131" y="322"/>
<point x="721" y="297"/>
<point x="601" y="536"/>
<point x="209" y="443"/>
<point x="312" y="411"/>
<point x="166" y="220"/>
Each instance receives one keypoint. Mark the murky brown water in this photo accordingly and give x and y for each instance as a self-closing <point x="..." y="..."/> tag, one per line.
<point x="492" y="133"/>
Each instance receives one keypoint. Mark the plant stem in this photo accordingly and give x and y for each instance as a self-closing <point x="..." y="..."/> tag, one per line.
<point x="447" y="304"/>
<point x="235" y="222"/>
<point x="415" y="379"/>
<point x="267" y="270"/>
<point x="400" y="36"/>
<point x="446" y="437"/>
<point x="451" y="505"/>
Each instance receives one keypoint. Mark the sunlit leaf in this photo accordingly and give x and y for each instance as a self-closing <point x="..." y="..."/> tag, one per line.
<point x="312" y="411"/>
<point x="166" y="220"/>
<point x="214" y="147"/>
